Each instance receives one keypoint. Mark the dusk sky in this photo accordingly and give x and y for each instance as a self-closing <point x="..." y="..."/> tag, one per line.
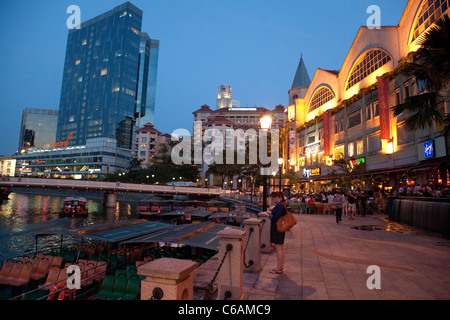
<point x="252" y="45"/>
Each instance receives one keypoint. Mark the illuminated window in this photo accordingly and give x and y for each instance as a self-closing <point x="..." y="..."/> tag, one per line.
<point x="431" y="11"/>
<point x="359" y="147"/>
<point x="104" y="72"/>
<point x="320" y="97"/>
<point x="83" y="42"/>
<point x="77" y="62"/>
<point x="372" y="61"/>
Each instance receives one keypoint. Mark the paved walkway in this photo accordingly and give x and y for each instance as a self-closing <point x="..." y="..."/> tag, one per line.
<point x="327" y="261"/>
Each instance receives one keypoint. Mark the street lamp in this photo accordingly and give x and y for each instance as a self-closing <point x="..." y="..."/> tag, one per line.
<point x="280" y="163"/>
<point x="265" y="123"/>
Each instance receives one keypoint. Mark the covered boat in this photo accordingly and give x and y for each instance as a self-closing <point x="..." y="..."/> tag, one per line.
<point x="74" y="207"/>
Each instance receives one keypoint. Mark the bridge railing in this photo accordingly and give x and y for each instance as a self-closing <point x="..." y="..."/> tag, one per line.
<point x="104" y="186"/>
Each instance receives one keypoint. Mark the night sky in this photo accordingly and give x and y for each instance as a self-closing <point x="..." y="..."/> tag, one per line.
<point x="253" y="45"/>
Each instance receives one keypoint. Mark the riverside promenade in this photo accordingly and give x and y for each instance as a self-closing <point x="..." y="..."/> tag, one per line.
<point x="329" y="261"/>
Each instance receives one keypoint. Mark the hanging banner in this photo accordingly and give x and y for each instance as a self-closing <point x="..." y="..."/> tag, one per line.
<point x="383" y="104"/>
<point x="327" y="134"/>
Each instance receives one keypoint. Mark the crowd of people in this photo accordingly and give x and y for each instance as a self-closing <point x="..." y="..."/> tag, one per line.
<point x="352" y="201"/>
<point x="424" y="190"/>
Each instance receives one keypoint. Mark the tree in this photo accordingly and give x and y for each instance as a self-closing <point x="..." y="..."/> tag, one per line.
<point x="430" y="67"/>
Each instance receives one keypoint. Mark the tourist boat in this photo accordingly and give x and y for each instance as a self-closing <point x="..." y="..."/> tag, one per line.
<point x="74" y="208"/>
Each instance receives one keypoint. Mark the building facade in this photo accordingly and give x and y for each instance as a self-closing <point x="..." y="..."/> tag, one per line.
<point x="38" y="128"/>
<point x="245" y="123"/>
<point x="96" y="158"/>
<point x="341" y="124"/>
<point x="150" y="144"/>
<point x="106" y="77"/>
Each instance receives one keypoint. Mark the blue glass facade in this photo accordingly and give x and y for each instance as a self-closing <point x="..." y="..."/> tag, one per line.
<point x="101" y="77"/>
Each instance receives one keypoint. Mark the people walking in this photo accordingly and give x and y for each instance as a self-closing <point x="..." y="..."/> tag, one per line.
<point x="337" y="204"/>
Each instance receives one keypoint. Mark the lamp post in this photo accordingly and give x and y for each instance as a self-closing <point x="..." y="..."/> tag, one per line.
<point x="266" y="124"/>
<point x="280" y="163"/>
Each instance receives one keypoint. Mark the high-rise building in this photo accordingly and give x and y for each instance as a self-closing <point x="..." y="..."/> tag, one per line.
<point x="148" y="64"/>
<point x="107" y="78"/>
<point x="224" y="97"/>
<point x="38" y="128"/>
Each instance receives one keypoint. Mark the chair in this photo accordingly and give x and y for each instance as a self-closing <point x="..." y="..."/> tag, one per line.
<point x="52" y="277"/>
<point x="118" y="290"/>
<point x="50" y="261"/>
<point x="6" y="269"/>
<point x="24" y="276"/>
<point x="319" y="207"/>
<point x="106" y="288"/>
<point x="327" y="208"/>
<point x="62" y="278"/>
<point x="41" y="270"/>
<point x="100" y="271"/>
<point x="303" y="207"/>
<point x="311" y="208"/>
<point x="89" y="274"/>
<point x="14" y="273"/>
<point x="295" y="207"/>
<point x="57" y="261"/>
<point x="132" y="289"/>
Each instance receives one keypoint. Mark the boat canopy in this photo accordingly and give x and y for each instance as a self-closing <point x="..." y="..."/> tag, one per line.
<point x="80" y="199"/>
<point x="113" y="232"/>
<point x="203" y="235"/>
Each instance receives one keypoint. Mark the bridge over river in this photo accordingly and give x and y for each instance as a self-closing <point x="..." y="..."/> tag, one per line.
<point x="110" y="188"/>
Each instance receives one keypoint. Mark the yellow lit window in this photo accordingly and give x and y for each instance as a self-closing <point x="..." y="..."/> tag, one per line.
<point x="104" y="72"/>
<point x="83" y="42"/>
<point x="77" y="62"/>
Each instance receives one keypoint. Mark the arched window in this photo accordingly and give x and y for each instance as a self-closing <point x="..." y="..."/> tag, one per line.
<point x="431" y="11"/>
<point x="320" y="97"/>
<point x="370" y="62"/>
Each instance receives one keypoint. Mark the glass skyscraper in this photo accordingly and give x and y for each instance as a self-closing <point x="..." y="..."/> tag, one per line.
<point x="104" y="84"/>
<point x="38" y="128"/>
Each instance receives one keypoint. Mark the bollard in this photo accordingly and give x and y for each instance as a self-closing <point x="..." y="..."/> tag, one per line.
<point x="230" y="279"/>
<point x="167" y="279"/>
<point x="265" y="232"/>
<point x="252" y="245"/>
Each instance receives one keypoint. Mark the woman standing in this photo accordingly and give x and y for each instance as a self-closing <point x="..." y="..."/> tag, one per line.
<point x="277" y="238"/>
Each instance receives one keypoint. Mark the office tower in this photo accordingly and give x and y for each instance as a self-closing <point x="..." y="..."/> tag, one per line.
<point x="38" y="128"/>
<point x="103" y="85"/>
<point x="224" y="97"/>
<point x="148" y="64"/>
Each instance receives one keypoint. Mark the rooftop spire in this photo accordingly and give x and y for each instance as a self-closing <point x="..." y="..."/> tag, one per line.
<point x="301" y="78"/>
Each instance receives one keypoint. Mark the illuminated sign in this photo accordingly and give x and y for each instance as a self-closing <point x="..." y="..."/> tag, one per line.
<point x="311" y="172"/>
<point x="356" y="164"/>
<point x="428" y="149"/>
<point x="62" y="143"/>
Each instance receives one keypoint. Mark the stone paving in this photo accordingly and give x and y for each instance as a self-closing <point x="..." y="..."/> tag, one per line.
<point x="329" y="261"/>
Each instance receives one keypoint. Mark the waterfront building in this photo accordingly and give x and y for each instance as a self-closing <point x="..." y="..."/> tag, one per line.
<point x="340" y="122"/>
<point x="244" y="121"/>
<point x="38" y="128"/>
<point x="96" y="158"/>
<point x="7" y="166"/>
<point x="109" y="78"/>
<point x="150" y="144"/>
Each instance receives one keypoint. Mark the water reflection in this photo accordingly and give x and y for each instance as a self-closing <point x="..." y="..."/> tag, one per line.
<point x="24" y="214"/>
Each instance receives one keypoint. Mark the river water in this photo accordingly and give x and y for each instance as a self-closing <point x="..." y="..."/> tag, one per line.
<point x="31" y="211"/>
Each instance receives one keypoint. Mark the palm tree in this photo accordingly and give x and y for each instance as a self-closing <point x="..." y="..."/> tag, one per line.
<point x="430" y="66"/>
